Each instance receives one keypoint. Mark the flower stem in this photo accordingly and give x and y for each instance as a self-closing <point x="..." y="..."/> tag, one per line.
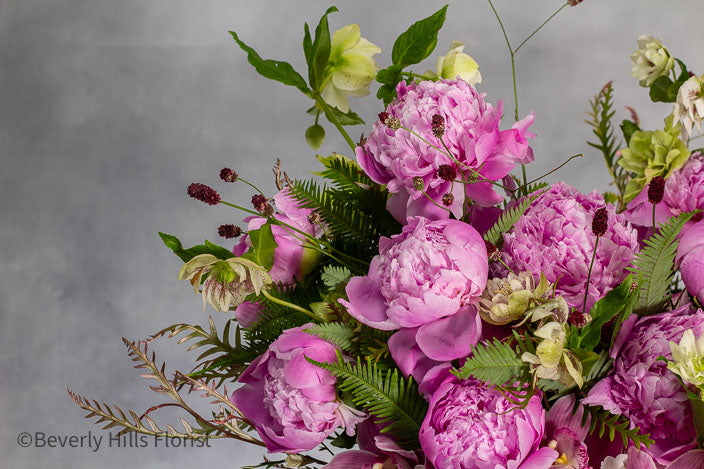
<point x="654" y="205"/>
<point x="251" y="185"/>
<point x="331" y="117"/>
<point x="550" y="172"/>
<point x="589" y="275"/>
<point x="281" y="302"/>
<point x="539" y="28"/>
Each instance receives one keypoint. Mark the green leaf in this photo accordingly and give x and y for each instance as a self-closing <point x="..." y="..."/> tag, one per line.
<point x="604" y="421"/>
<point x="349" y="118"/>
<point x="386" y="93"/>
<point x="307" y="44"/>
<point x="603" y="311"/>
<point x="495" y="363"/>
<point x="263" y="247"/>
<point x="339" y="334"/>
<point x="173" y="243"/>
<point x="628" y="128"/>
<point x="335" y="275"/>
<point x="419" y="40"/>
<point x="276" y="70"/>
<point x="508" y="219"/>
<point x="654" y="264"/>
<point x="663" y="90"/>
<point x="386" y="395"/>
<point x="320" y="51"/>
<point x="344" y="441"/>
<point x="698" y="417"/>
<point x="389" y="77"/>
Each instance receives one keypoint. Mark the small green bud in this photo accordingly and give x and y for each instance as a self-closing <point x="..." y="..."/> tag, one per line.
<point x="315" y="136"/>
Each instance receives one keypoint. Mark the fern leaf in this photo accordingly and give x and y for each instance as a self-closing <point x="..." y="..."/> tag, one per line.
<point x="654" y="263"/>
<point x="493" y="362"/>
<point x="388" y="396"/>
<point x="603" y="421"/>
<point x="337" y="333"/>
<point x="508" y="219"/>
<point x="334" y="275"/>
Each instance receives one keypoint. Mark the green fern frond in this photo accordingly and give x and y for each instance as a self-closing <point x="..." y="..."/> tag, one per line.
<point x="339" y="334"/>
<point x="493" y="362"/>
<point x="508" y="219"/>
<point x="388" y="396"/>
<point x="604" y="421"/>
<point x="654" y="264"/>
<point x="345" y="174"/>
<point x="335" y="275"/>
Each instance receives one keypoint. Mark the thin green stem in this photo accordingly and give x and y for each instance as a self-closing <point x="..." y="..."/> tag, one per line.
<point x="331" y="117"/>
<point x="431" y="199"/>
<point x="251" y="185"/>
<point x="551" y="171"/>
<point x="515" y="51"/>
<point x="654" y="205"/>
<point x="589" y="276"/>
<point x="238" y="207"/>
<point x="412" y="75"/>
<point x="292" y="306"/>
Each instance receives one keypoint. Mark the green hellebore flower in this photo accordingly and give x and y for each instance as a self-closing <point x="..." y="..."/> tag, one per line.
<point x="351" y="67"/>
<point x="651" y="61"/>
<point x="652" y="153"/>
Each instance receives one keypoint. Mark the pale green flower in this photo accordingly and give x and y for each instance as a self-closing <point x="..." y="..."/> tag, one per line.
<point x="688" y="358"/>
<point x="351" y="67"/>
<point x="551" y="360"/>
<point x="227" y="282"/>
<point x="506" y="299"/>
<point x="689" y="108"/>
<point x="651" y="61"/>
<point x="458" y="64"/>
<point x="652" y="153"/>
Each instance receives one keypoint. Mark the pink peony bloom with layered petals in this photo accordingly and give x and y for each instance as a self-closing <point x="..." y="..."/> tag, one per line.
<point x="555" y="237"/>
<point x="396" y="157"/>
<point x="291" y="402"/>
<point x="641" y="387"/>
<point x="471" y="426"/>
<point x="690" y="255"/>
<point x="424" y="283"/>
<point x="291" y="259"/>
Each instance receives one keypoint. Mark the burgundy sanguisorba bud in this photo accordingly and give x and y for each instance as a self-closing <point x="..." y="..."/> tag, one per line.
<point x="228" y="175"/>
<point x="492" y="251"/>
<point x="437" y="124"/>
<point x="204" y="193"/>
<point x="383" y="116"/>
<point x="448" y="199"/>
<point x="447" y="173"/>
<point x="314" y="218"/>
<point x="418" y="183"/>
<point x="389" y="121"/>
<point x="229" y="231"/>
<point x="656" y="189"/>
<point x="260" y="203"/>
<point x="574" y="3"/>
<point x="600" y="223"/>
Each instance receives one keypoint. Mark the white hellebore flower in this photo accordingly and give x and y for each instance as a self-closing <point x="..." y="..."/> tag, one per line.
<point x="553" y="361"/>
<point x="458" y="64"/>
<point x="350" y="69"/>
<point x="689" y="108"/>
<point x="688" y="358"/>
<point x="227" y="282"/>
<point x="651" y="61"/>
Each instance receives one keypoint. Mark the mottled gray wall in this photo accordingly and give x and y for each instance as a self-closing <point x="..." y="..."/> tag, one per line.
<point x="111" y="107"/>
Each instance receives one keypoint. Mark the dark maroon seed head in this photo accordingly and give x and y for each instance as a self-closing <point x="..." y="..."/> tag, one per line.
<point x="448" y="199"/>
<point x="656" y="190"/>
<point x="383" y="116"/>
<point x="228" y="175"/>
<point x="260" y="203"/>
<point x="204" y="193"/>
<point x="438" y="125"/>
<point x="447" y="173"/>
<point x="229" y="231"/>
<point x="600" y="223"/>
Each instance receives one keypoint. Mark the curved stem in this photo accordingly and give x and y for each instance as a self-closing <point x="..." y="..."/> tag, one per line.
<point x="292" y="306"/>
<point x="328" y="113"/>
<point x="550" y="172"/>
<point x="539" y="28"/>
<point x="251" y="185"/>
<point x="589" y="276"/>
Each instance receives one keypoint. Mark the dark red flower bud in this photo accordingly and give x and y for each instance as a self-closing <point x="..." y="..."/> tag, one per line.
<point x="261" y="204"/>
<point x="438" y="125"/>
<point x="228" y="175"/>
<point x="383" y="116"/>
<point x="492" y="251"/>
<point x="448" y="199"/>
<point x="600" y="223"/>
<point x="418" y="183"/>
<point x="656" y="189"/>
<point x="204" y="193"/>
<point x="579" y="319"/>
<point x="229" y="231"/>
<point x="447" y="173"/>
<point x="314" y="218"/>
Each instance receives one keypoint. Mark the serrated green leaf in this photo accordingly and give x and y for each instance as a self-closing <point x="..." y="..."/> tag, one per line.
<point x="335" y="275"/>
<point x="508" y="219"/>
<point x="654" y="264"/>
<point x="339" y="334"/>
<point x="493" y="362"/>
<point x="419" y="40"/>
<point x="283" y="72"/>
<point x="661" y="91"/>
<point x="320" y="51"/>
<point x="263" y="247"/>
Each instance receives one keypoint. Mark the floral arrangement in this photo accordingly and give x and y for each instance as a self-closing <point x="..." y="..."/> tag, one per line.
<point x="427" y="306"/>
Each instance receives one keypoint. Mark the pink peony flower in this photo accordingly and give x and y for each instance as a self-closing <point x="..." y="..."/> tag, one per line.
<point x="555" y="237"/>
<point x="684" y="192"/>
<point x="424" y="282"/>
<point x="291" y="402"/>
<point x="641" y="387"/>
<point x="396" y="157"/>
<point x="690" y="255"/>
<point x="471" y="426"/>
<point x="291" y="259"/>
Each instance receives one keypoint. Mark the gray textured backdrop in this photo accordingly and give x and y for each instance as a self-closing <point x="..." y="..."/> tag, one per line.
<point x="111" y="107"/>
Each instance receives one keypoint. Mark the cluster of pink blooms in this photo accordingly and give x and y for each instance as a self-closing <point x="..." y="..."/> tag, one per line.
<point x="424" y="286"/>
